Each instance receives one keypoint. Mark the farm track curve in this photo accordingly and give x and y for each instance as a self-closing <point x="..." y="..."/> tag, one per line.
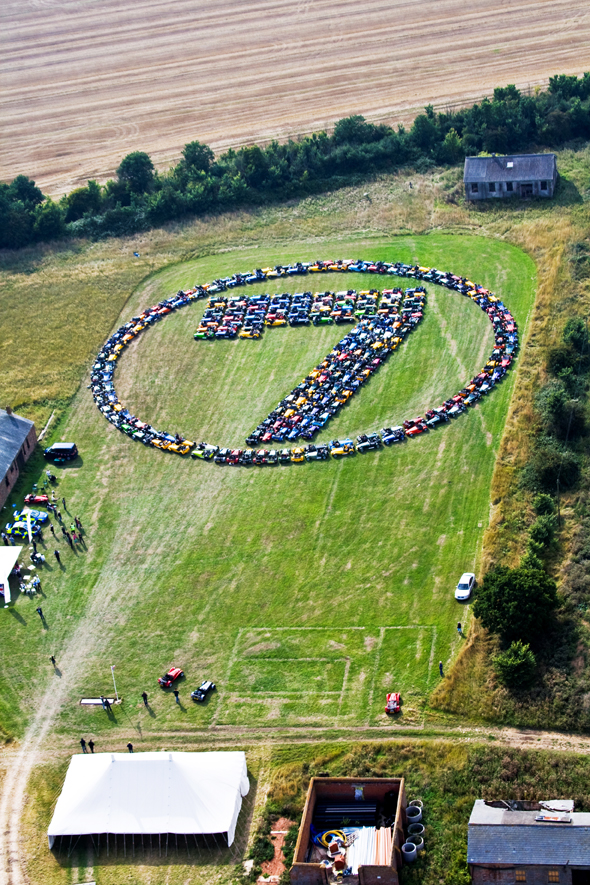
<point x="82" y="85"/>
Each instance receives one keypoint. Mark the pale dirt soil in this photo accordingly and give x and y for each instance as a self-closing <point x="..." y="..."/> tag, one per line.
<point x="83" y="83"/>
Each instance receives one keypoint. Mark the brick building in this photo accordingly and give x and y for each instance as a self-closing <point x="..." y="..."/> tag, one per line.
<point x="17" y="442"/>
<point x="520" y="175"/>
<point x="535" y="843"/>
<point x="368" y="802"/>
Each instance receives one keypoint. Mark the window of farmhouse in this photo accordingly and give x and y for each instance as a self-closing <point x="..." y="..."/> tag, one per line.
<point x="474" y="188"/>
<point x="492" y="187"/>
<point x="543" y="185"/>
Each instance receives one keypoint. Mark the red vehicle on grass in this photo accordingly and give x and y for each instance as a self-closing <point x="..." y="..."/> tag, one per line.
<point x="171" y="676"/>
<point x="393" y="702"/>
<point x="36" y="499"/>
<point x="416" y="429"/>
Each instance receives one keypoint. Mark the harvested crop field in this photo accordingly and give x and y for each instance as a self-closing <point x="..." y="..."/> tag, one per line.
<point x="84" y="83"/>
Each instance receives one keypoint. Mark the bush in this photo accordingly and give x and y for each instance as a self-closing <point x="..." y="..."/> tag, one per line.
<point x="516" y="603"/>
<point x="531" y="559"/>
<point x="542" y="530"/>
<point x="562" y="416"/>
<point x="575" y="334"/>
<point x="549" y="464"/>
<point x="262" y="850"/>
<point x="516" y="666"/>
<point x="543" y="504"/>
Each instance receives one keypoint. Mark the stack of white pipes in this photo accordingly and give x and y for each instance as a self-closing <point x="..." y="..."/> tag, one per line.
<point x="371" y="847"/>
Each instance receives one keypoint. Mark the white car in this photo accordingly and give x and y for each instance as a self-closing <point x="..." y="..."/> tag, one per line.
<point x="465" y="586"/>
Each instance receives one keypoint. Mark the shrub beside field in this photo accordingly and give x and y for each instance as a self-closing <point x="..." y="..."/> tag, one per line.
<point x="140" y="198"/>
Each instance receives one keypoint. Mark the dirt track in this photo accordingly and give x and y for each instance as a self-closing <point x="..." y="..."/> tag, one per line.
<point x="84" y="83"/>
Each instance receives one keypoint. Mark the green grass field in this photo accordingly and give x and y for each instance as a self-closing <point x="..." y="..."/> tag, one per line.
<point x="305" y="591"/>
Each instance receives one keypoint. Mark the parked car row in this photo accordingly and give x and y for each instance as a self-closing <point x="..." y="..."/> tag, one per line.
<point x="246" y="317"/>
<point x="382" y="321"/>
<point x="346" y="368"/>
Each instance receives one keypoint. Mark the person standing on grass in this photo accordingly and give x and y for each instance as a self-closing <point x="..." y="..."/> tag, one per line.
<point x="57" y="556"/>
<point x="40" y="613"/>
<point x="51" y="529"/>
<point x="144" y="698"/>
<point x="176" y="697"/>
<point x="91" y="745"/>
<point x="459" y="629"/>
<point x="63" y="501"/>
<point x="52" y="659"/>
<point x="130" y="747"/>
<point x="103" y="701"/>
<point x="59" y="517"/>
<point x="440" y="668"/>
<point x="5" y="539"/>
<point x="108" y="705"/>
<point x="83" y="745"/>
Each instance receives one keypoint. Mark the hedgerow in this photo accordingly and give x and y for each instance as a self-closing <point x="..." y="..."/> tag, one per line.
<point x="141" y="198"/>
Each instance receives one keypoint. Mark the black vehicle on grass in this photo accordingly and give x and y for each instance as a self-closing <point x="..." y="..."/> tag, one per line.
<point x="200" y="694"/>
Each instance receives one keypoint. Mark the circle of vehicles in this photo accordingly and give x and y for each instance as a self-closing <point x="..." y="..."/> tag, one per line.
<point x="382" y="318"/>
<point x="199" y="695"/>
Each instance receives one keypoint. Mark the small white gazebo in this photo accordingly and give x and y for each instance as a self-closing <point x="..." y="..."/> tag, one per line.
<point x="9" y="556"/>
<point x="151" y="794"/>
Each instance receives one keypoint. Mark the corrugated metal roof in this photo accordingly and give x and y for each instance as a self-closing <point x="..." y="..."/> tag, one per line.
<point x="13" y="432"/>
<point x="543" y="844"/>
<point x="525" y="167"/>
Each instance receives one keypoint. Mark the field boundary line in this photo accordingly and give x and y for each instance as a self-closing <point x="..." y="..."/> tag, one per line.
<point x="230" y="663"/>
<point x="344" y="682"/>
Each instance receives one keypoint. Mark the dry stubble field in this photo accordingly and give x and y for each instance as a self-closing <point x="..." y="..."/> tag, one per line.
<point x="83" y="83"/>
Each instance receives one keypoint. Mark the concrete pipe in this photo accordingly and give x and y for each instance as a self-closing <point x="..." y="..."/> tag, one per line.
<point x="413" y="814"/>
<point x="409" y="852"/>
<point x="416" y="830"/>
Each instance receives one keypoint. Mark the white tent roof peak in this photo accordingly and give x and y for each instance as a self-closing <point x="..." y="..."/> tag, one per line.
<point x="150" y="793"/>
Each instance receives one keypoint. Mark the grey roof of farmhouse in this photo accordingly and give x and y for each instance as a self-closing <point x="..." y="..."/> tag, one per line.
<point x="500" y="836"/>
<point x="13" y="432"/>
<point x="525" y="167"/>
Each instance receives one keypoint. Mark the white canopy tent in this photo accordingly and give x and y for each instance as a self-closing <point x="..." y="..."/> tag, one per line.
<point x="9" y="556"/>
<point x="151" y="793"/>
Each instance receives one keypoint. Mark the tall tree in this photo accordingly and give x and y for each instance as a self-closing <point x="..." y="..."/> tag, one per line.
<point x="516" y="603"/>
<point x="137" y="172"/>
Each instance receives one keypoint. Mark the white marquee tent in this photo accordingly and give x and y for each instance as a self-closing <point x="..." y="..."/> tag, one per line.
<point x="151" y="793"/>
<point x="8" y="559"/>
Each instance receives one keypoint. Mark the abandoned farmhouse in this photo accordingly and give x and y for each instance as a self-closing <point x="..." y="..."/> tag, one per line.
<point x="520" y="175"/>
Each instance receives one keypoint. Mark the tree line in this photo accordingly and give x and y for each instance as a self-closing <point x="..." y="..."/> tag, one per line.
<point x="141" y="197"/>
<point x="537" y="628"/>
